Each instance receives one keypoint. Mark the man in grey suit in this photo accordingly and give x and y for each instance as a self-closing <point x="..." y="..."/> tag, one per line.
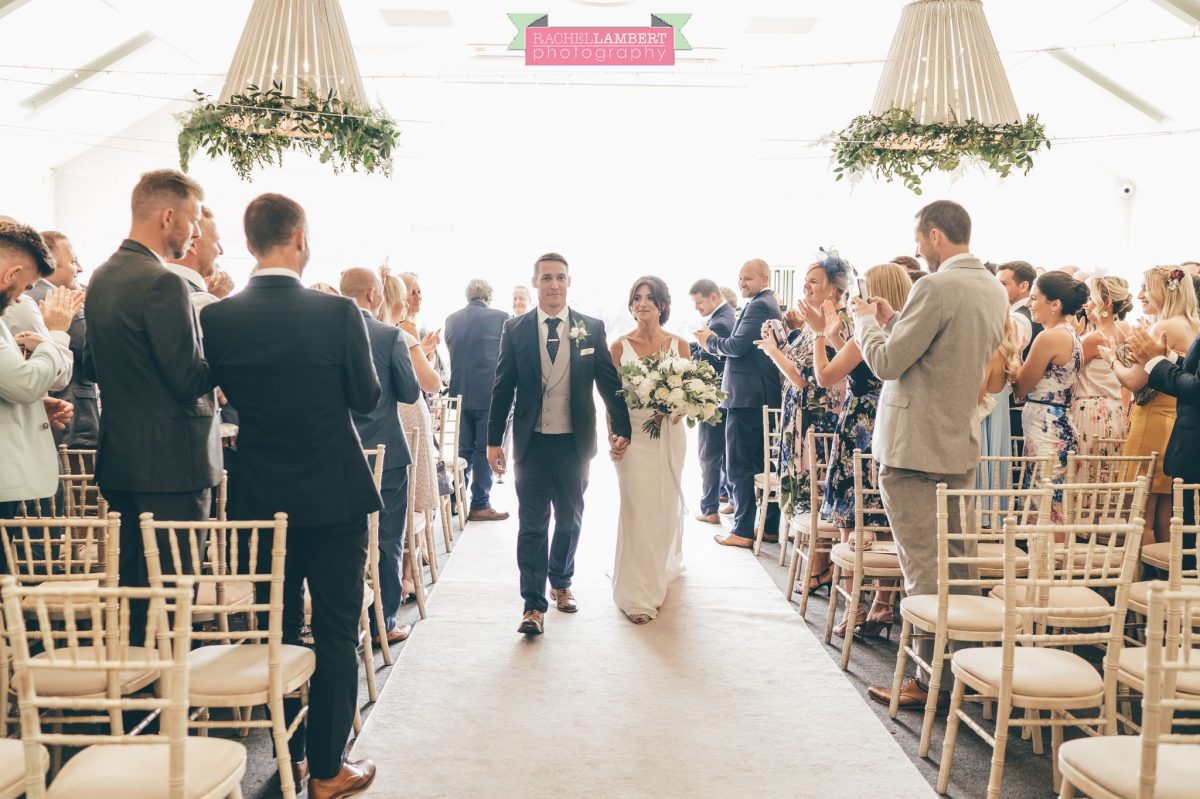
<point x="932" y="366"/>
<point x="160" y="448"/>
<point x="83" y="431"/>
<point x="398" y="383"/>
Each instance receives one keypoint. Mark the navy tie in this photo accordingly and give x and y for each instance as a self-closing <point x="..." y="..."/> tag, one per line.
<point x="552" y="337"/>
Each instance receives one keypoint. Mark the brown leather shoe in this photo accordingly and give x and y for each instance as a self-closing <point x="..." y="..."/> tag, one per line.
<point x="399" y="633"/>
<point x="354" y="778"/>
<point x="564" y="600"/>
<point x="531" y="623"/>
<point x="727" y="510"/>
<point x="487" y="515"/>
<point x="912" y="696"/>
<point x="770" y="538"/>
<point x="722" y="498"/>
<point x="709" y="518"/>
<point x="732" y="540"/>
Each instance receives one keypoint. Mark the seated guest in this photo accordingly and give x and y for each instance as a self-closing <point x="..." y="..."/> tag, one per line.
<point x="199" y="263"/>
<point x="1047" y="378"/>
<point x="29" y="466"/>
<point x="473" y="338"/>
<point x="1098" y="409"/>
<point x="296" y="364"/>
<point x="718" y="317"/>
<point x="382" y="425"/>
<point x="520" y="301"/>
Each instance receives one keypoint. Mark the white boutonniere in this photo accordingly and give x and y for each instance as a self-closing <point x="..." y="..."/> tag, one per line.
<point x="578" y="333"/>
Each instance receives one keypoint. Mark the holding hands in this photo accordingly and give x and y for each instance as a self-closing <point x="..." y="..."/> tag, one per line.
<point x="617" y="446"/>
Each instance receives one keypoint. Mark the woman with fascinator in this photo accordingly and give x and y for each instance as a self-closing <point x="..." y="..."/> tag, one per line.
<point x="806" y="404"/>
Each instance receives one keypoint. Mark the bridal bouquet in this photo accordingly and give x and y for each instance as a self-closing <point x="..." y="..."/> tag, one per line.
<point x="673" y="386"/>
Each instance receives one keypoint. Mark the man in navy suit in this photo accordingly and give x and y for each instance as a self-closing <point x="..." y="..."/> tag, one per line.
<point x="720" y="319"/>
<point x="473" y="338"/>
<point x="552" y="360"/>
<point x="382" y="425"/>
<point x="751" y="381"/>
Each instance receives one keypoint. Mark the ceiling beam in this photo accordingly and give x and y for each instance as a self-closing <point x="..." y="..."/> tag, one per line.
<point x="43" y="97"/>
<point x="1186" y="10"/>
<point x="1109" y="85"/>
<point x="9" y="6"/>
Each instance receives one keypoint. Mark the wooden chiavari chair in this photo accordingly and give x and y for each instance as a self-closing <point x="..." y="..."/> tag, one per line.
<point x="813" y="534"/>
<point x="86" y="499"/>
<point x="766" y="482"/>
<point x="447" y="412"/>
<point x="375" y="458"/>
<point x="412" y="549"/>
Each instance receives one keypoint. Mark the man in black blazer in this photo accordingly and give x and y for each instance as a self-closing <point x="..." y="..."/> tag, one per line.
<point x="296" y="364"/>
<point x="382" y="425"/>
<point x="473" y="338"/>
<point x="551" y="360"/>
<point x="720" y="319"/>
<point x="160" y="447"/>
<point x="751" y="381"/>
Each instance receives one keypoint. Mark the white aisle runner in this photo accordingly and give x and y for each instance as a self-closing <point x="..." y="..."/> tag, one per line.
<point x="725" y="694"/>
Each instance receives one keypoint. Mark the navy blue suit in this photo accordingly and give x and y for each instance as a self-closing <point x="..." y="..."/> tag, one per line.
<point x="751" y="381"/>
<point x="552" y="470"/>
<point x="382" y="425"/>
<point x="473" y="338"/>
<point x="712" y="436"/>
<point x="1182" y="459"/>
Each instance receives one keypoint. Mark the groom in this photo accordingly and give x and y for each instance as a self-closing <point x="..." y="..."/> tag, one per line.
<point x="550" y="358"/>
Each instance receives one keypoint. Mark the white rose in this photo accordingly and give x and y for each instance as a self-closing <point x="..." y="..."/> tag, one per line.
<point x="674" y="381"/>
<point x="661" y="393"/>
<point x="697" y="386"/>
<point x="693" y="410"/>
<point x="644" y="391"/>
<point x="674" y="397"/>
<point x="655" y="376"/>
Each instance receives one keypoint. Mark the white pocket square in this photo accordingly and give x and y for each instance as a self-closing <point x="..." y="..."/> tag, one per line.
<point x="588" y="351"/>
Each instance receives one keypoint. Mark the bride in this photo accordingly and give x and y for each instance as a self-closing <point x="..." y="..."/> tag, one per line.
<point x="650" y="530"/>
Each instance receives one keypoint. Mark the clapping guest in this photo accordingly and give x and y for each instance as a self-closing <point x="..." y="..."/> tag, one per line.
<point x="718" y="317"/>
<point x="429" y="340"/>
<point x="1168" y="297"/>
<point x="806" y="404"/>
<point x="473" y="337"/>
<point x="1046" y="380"/>
<point x="520" y="301"/>
<point x="1098" y="409"/>
<point x="199" y="263"/>
<point x="220" y="285"/>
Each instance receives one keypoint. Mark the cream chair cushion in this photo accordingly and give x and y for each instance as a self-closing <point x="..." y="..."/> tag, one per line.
<point x="12" y="766"/>
<point x="1066" y="596"/>
<point x="61" y="682"/>
<point x="217" y="673"/>
<point x="803" y="521"/>
<point x="1139" y="595"/>
<point x="994" y="552"/>
<point x="1038" y="672"/>
<point x="977" y="614"/>
<point x="1157" y="555"/>
<point x="879" y="564"/>
<point x="760" y="479"/>
<point x="1132" y="663"/>
<point x="131" y="771"/>
<point x="1111" y="761"/>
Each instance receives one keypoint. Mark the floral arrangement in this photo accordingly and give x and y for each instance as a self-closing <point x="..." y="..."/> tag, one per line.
<point x="673" y="386"/>
<point x="894" y="145"/>
<point x="1174" y="278"/>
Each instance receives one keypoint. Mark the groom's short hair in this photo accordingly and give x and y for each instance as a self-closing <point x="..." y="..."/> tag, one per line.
<point x="705" y="288"/>
<point x="550" y="256"/>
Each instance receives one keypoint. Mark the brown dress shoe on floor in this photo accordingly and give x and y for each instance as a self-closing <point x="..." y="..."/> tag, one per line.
<point x="531" y="623"/>
<point x="487" y="515"/>
<point x="354" y="778"/>
<point x="722" y="498"/>
<point x="710" y="518"/>
<point x="732" y="540"/>
<point x="399" y="633"/>
<point x="912" y="696"/>
<point x="564" y="600"/>
<point x="726" y="510"/>
<point x="770" y="538"/>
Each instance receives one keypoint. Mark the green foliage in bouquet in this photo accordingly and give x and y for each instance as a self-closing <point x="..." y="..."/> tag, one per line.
<point x="894" y="145"/>
<point x="672" y="386"/>
<point x="255" y="128"/>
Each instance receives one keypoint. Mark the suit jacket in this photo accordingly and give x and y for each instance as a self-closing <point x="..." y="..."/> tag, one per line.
<point x="28" y="463"/>
<point x="519" y="374"/>
<point x="84" y="430"/>
<point x="721" y="323"/>
<point x="932" y="365"/>
<point x="473" y="338"/>
<point x="397" y="383"/>
<point x="750" y="378"/>
<point x="1182" y="381"/>
<point x="296" y="364"/>
<point x="158" y="430"/>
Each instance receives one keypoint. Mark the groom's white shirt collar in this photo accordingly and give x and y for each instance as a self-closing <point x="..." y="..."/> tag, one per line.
<point x="564" y="315"/>
<point x="278" y="272"/>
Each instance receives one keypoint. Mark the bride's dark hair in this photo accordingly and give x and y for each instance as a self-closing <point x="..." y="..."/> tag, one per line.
<point x="660" y="295"/>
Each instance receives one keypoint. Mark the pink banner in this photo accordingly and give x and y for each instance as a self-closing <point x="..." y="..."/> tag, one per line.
<point x="623" y="47"/>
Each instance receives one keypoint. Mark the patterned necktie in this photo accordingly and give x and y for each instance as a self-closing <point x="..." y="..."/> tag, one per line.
<point x="552" y="337"/>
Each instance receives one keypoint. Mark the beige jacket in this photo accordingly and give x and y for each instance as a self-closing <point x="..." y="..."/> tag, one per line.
<point x="28" y="460"/>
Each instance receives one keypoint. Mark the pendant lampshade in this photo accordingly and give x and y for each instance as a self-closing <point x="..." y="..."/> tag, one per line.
<point x="943" y="66"/>
<point x="301" y="44"/>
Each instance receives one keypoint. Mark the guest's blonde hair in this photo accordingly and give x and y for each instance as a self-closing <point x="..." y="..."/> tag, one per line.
<point x="395" y="295"/>
<point x="1177" y="301"/>
<point x="1111" y="289"/>
<point x="1008" y="349"/>
<point x="889" y="282"/>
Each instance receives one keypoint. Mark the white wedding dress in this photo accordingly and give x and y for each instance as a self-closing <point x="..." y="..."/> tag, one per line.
<point x="650" y="529"/>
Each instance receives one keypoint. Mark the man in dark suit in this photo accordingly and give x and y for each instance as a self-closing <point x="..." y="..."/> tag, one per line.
<point x="296" y="364"/>
<point x="1018" y="278"/>
<point x="83" y="431"/>
<point x="554" y="431"/>
<point x="751" y="381"/>
<point x="473" y="337"/>
<point x="382" y="425"/>
<point x="719" y="318"/>
<point x="159" y="449"/>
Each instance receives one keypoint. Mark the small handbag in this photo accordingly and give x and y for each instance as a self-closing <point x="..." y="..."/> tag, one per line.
<point x="445" y="489"/>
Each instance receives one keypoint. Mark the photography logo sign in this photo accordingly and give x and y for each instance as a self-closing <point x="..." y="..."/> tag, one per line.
<point x="545" y="46"/>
